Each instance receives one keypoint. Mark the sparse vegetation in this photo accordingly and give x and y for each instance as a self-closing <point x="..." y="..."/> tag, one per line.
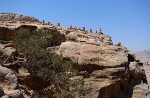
<point x="42" y="63"/>
<point x="72" y="37"/>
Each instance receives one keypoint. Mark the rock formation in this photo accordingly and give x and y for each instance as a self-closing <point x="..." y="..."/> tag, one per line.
<point x="108" y="71"/>
<point x="16" y="17"/>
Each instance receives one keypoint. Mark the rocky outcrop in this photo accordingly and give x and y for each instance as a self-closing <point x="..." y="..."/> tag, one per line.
<point x="16" y="17"/>
<point x="113" y="72"/>
<point x="7" y="32"/>
<point x="108" y="71"/>
<point x="91" y="38"/>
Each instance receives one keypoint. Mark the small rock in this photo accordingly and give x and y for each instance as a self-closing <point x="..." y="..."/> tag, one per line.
<point x="5" y="96"/>
<point x="15" y="94"/>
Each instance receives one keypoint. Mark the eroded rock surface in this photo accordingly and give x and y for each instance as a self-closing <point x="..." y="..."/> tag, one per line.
<point x="97" y="56"/>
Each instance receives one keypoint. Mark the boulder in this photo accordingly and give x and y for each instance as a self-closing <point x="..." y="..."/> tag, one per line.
<point x="8" y="80"/>
<point x="5" y="96"/>
<point x="141" y="91"/>
<point x="15" y="94"/>
<point x="93" y="56"/>
<point x="6" y="51"/>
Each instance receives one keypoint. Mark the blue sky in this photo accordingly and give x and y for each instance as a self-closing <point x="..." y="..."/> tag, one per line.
<point x="126" y="21"/>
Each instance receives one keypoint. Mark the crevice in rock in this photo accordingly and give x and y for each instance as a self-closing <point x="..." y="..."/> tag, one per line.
<point x="89" y="68"/>
<point x="34" y="82"/>
<point x="131" y="58"/>
<point x="120" y="89"/>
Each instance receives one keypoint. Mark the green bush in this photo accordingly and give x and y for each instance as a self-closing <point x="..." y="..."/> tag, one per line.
<point x="42" y="63"/>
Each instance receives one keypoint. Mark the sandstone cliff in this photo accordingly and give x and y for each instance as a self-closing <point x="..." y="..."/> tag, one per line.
<point x="108" y="71"/>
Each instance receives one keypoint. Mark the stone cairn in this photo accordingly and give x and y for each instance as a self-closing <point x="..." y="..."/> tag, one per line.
<point x="83" y="28"/>
<point x="58" y="24"/>
<point x="49" y="23"/>
<point x="96" y="31"/>
<point x="43" y="22"/>
<point x="100" y="31"/>
<point x="71" y="27"/>
<point x="91" y="31"/>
